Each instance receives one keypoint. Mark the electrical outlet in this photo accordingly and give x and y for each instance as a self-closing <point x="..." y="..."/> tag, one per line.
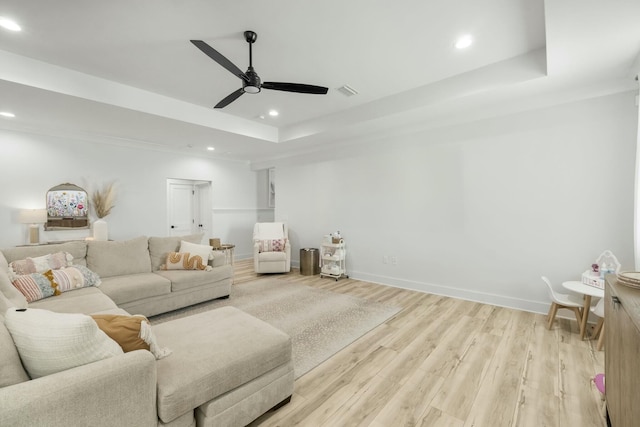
<point x="385" y="259"/>
<point x="394" y="260"/>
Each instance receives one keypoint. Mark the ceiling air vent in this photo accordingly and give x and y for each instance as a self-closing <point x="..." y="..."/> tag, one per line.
<point x="347" y="90"/>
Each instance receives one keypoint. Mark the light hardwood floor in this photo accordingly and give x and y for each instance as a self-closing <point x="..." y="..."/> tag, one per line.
<point x="445" y="362"/>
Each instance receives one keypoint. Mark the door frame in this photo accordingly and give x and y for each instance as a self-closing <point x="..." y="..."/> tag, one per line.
<point x="202" y="191"/>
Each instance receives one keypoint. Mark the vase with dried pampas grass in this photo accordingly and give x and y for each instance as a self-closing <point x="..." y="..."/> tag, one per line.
<point x="103" y="201"/>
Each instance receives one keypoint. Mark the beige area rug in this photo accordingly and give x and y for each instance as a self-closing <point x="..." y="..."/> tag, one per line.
<point x="319" y="322"/>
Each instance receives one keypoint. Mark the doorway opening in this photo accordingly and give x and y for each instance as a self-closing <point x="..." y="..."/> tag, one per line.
<point x="188" y="207"/>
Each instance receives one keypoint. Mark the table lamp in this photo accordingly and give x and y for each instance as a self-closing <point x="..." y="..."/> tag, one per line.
<point x="33" y="217"/>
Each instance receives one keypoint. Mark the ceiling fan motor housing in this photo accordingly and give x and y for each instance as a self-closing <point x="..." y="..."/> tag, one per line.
<point x="252" y="85"/>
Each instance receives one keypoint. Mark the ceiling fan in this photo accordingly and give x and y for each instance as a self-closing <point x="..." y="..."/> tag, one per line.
<point x="251" y="82"/>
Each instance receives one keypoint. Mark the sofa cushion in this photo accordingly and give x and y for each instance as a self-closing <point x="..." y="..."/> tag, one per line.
<point x="159" y="247"/>
<point x="133" y="287"/>
<point x="118" y="258"/>
<point x="51" y="342"/>
<point x="11" y="370"/>
<point x="213" y="353"/>
<point x="77" y="249"/>
<point x="183" y="280"/>
<point x="272" y="256"/>
<point x="85" y="300"/>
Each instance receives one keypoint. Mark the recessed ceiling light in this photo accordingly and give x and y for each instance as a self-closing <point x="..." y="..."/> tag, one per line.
<point x="273" y="113"/>
<point x="9" y="24"/>
<point x="7" y="114"/>
<point x="210" y="148"/>
<point x="464" y="42"/>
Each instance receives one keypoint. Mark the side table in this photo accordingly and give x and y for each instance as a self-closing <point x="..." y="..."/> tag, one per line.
<point x="227" y="248"/>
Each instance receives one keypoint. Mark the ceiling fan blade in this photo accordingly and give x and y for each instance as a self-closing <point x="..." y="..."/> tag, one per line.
<point x="295" y="87"/>
<point x="230" y="98"/>
<point x="220" y="59"/>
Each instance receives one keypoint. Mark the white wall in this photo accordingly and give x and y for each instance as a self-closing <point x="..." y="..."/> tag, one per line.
<point x="31" y="163"/>
<point x="478" y="211"/>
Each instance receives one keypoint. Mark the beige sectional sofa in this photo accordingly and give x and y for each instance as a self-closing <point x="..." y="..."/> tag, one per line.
<point x="226" y="367"/>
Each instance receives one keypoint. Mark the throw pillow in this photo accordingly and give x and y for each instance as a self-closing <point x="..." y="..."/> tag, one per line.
<point x="203" y="251"/>
<point x="39" y="264"/>
<point x="130" y="332"/>
<point x="185" y="261"/>
<point x="51" y="342"/>
<point x="35" y="286"/>
<point x="75" y="277"/>
<point x="159" y="247"/>
<point x="275" y="245"/>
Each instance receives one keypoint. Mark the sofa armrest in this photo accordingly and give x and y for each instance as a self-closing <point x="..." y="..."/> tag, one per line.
<point x="120" y="391"/>
<point x="219" y="259"/>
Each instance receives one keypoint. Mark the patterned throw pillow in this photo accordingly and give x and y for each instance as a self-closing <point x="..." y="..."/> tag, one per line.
<point x="275" y="245"/>
<point x="185" y="261"/>
<point x="36" y="286"/>
<point x="39" y="264"/>
<point x="75" y="277"/>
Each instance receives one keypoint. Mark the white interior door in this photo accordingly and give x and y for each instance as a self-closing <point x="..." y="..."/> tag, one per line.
<point x="203" y="207"/>
<point x="181" y="198"/>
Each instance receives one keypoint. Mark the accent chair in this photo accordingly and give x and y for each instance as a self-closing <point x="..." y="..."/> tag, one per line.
<point x="271" y="248"/>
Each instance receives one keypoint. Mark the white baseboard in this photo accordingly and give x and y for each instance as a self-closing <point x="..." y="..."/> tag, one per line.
<point x="541" y="307"/>
<point x="465" y="294"/>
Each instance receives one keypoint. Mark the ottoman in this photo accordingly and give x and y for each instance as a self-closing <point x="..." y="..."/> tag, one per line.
<point x="227" y="369"/>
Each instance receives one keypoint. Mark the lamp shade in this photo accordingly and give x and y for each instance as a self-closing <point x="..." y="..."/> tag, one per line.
<point x="33" y="216"/>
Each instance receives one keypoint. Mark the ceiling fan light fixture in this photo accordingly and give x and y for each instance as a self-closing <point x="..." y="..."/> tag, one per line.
<point x="251" y="89"/>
